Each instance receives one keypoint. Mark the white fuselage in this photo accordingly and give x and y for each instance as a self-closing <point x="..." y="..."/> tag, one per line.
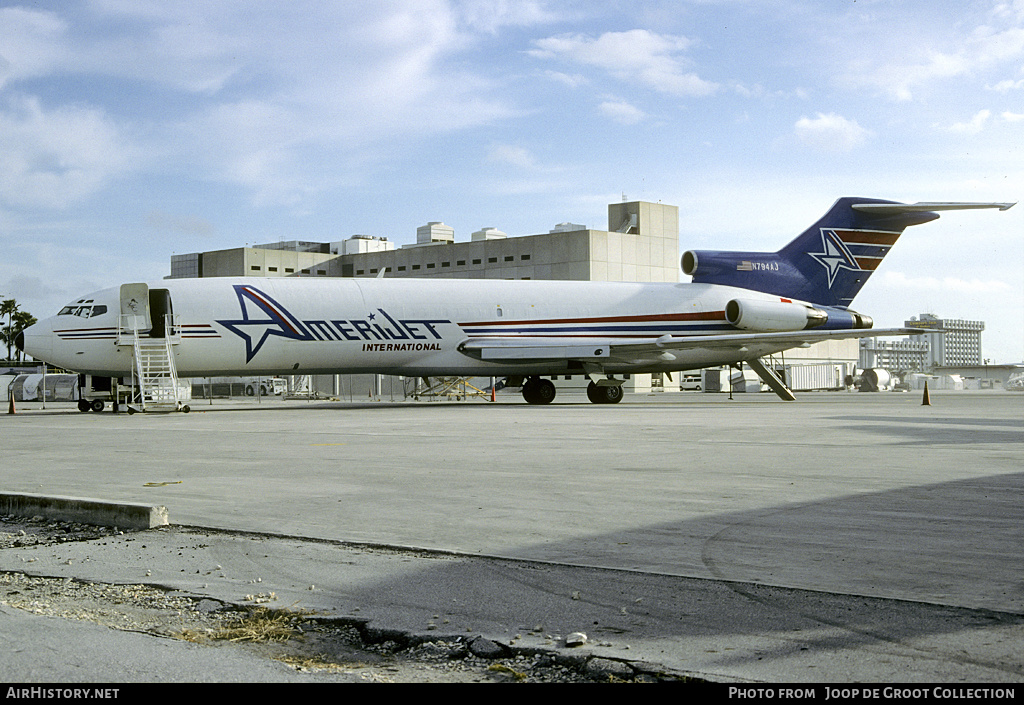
<point x="228" y="326"/>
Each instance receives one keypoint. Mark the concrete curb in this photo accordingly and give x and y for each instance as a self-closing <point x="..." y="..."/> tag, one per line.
<point x="128" y="515"/>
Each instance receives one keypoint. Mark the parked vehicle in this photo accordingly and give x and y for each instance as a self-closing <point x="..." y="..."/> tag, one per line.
<point x="690" y="382"/>
<point x="267" y="386"/>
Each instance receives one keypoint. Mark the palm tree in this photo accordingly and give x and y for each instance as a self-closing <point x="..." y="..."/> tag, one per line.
<point x="8" y="307"/>
<point x="22" y="320"/>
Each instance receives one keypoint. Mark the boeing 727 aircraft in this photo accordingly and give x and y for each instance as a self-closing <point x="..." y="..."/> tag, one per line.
<point x="740" y="307"/>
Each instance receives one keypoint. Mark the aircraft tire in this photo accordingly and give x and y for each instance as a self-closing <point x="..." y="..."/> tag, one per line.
<point x="539" y="391"/>
<point x="613" y="395"/>
<point x="250" y="391"/>
<point x="604" y="395"/>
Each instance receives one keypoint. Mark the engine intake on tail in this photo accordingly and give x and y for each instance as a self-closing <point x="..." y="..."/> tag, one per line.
<point x="752" y="314"/>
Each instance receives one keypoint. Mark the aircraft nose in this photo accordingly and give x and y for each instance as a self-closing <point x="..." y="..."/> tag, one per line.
<point x="37" y="341"/>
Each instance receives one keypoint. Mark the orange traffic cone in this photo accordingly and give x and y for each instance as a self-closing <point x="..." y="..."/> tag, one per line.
<point x="926" y="400"/>
<point x="492" y="395"/>
<point x="10" y="406"/>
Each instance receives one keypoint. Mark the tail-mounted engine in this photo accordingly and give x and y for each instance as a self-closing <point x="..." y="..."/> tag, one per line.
<point x="752" y="314"/>
<point x="783" y="315"/>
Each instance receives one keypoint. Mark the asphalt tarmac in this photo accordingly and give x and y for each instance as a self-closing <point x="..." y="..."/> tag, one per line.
<point x="842" y="537"/>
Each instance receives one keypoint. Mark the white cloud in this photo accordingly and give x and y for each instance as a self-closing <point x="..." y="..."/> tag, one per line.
<point x="622" y="112"/>
<point x="180" y="48"/>
<point x="907" y="54"/>
<point x="1008" y="85"/>
<point x="1012" y="117"/>
<point x="901" y="80"/>
<point x="491" y="15"/>
<point x="31" y="42"/>
<point x="636" y="55"/>
<point x="259" y="92"/>
<point x="1011" y="9"/>
<point x="570" y="80"/>
<point x="831" y="133"/>
<point x="512" y="155"/>
<point x="55" y="158"/>
<point x="973" y="126"/>
<point x="988" y="46"/>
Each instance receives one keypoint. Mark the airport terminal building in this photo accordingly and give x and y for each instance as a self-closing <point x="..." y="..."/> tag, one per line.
<point x="641" y="244"/>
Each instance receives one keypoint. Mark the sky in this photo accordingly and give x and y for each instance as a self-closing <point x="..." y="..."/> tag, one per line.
<point x="132" y="130"/>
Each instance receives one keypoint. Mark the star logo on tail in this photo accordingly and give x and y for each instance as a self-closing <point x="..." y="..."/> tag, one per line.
<point x="834" y="256"/>
<point x="262" y="317"/>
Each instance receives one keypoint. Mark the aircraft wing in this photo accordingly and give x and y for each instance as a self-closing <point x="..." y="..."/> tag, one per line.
<point x="656" y="350"/>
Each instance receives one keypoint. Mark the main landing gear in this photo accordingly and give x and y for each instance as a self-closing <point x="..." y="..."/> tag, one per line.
<point x="87" y="405"/>
<point x="601" y="394"/>
<point x="538" y="391"/>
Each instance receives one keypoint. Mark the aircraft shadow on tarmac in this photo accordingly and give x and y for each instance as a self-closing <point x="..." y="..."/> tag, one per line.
<point x="925" y="430"/>
<point x="919" y="583"/>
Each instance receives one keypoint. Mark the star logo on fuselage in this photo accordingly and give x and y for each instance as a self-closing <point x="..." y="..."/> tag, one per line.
<point x="834" y="256"/>
<point x="262" y="317"/>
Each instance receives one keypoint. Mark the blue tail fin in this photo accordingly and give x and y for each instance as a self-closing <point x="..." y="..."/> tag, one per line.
<point x="829" y="262"/>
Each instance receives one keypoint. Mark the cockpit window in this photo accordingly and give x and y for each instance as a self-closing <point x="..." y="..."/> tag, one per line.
<point x="83" y="308"/>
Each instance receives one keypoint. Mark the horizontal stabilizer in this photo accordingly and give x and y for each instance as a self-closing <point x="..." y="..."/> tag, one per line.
<point x="897" y="208"/>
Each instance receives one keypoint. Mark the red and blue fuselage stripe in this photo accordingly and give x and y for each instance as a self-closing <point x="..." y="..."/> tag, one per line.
<point x="643" y="326"/>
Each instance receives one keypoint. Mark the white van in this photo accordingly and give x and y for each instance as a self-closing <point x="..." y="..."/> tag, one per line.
<point x="690" y="382"/>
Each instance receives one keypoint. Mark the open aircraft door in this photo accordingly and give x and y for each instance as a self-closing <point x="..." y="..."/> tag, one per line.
<point x="161" y="313"/>
<point x="146" y="310"/>
<point x="135" y="314"/>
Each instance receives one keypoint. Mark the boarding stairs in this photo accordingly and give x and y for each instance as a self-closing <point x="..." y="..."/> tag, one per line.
<point x="154" y="371"/>
<point x="773" y="375"/>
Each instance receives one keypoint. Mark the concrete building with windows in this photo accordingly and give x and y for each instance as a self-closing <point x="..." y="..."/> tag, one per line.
<point x="641" y="244"/>
<point x="284" y="259"/>
<point x="958" y="343"/>
<point x="896" y="355"/>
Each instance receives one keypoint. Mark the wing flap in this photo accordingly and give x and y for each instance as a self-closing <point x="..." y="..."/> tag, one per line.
<point x="530" y="350"/>
<point x="526" y="349"/>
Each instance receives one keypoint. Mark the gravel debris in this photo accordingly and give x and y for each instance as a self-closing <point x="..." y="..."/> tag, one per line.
<point x="305" y="641"/>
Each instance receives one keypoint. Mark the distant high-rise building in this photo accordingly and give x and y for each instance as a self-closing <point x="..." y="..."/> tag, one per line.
<point x="958" y="342"/>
